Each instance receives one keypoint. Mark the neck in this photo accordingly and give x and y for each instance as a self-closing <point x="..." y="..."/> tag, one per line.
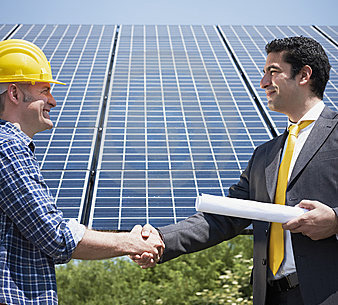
<point x="297" y="114"/>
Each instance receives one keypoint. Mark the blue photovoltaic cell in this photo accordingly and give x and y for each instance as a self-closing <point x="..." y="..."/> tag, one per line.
<point x="180" y="122"/>
<point x="179" y="119"/>
<point x="5" y="30"/>
<point x="331" y="31"/>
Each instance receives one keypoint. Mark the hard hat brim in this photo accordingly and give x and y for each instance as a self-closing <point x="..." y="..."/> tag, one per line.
<point x="56" y="82"/>
<point x="13" y="80"/>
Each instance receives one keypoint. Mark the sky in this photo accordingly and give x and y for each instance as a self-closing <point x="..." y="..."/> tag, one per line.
<point x="222" y="12"/>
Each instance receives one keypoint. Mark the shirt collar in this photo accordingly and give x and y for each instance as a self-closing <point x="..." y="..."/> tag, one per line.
<point x="10" y="128"/>
<point x="313" y="114"/>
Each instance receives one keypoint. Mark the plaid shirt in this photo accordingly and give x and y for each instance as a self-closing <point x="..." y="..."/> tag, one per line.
<point x="33" y="234"/>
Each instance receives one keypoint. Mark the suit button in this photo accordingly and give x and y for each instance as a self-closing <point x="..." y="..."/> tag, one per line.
<point x="264" y="261"/>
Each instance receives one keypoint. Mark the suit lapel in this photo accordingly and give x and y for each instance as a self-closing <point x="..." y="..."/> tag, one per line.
<point x="273" y="155"/>
<point x="323" y="127"/>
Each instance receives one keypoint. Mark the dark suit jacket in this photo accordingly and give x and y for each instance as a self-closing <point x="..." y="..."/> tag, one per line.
<point x="314" y="177"/>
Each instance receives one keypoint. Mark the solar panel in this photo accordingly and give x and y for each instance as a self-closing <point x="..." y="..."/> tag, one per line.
<point x="248" y="45"/>
<point x="153" y="115"/>
<point x="330" y="31"/>
<point x="180" y="122"/>
<point x="5" y="30"/>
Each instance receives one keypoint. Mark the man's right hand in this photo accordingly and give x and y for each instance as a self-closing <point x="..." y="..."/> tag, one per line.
<point x="148" y="259"/>
<point x="103" y="245"/>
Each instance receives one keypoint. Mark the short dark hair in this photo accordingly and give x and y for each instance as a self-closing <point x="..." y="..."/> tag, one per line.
<point x="301" y="51"/>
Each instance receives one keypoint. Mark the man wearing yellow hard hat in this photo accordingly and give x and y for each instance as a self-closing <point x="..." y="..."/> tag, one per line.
<point x="34" y="236"/>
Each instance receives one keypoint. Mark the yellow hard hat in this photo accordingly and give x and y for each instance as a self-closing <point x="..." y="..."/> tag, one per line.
<point x="23" y="61"/>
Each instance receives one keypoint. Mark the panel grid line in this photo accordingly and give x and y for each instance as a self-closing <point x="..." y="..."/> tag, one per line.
<point x="165" y="120"/>
<point x="202" y="114"/>
<point x="125" y="129"/>
<point x="183" y="118"/>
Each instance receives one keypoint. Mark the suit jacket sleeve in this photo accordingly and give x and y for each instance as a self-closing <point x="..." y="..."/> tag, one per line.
<point x="204" y="230"/>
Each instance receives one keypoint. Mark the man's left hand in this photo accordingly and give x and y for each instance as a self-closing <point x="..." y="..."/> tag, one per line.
<point x="147" y="260"/>
<point x="318" y="223"/>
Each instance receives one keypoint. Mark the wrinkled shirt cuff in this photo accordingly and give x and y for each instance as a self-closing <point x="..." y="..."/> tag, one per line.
<point x="77" y="230"/>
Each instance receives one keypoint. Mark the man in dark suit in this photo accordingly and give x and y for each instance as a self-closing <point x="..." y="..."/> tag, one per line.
<point x="295" y="76"/>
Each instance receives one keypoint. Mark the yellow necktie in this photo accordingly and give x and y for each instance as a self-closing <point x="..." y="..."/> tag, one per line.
<point x="276" y="245"/>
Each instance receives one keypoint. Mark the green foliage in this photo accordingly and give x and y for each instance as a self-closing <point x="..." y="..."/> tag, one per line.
<point x="218" y="275"/>
<point x="232" y="285"/>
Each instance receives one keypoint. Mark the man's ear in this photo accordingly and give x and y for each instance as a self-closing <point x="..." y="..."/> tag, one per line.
<point x="305" y="75"/>
<point x="14" y="93"/>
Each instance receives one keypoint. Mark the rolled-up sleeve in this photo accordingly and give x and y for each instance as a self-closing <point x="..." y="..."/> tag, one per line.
<point x="27" y="201"/>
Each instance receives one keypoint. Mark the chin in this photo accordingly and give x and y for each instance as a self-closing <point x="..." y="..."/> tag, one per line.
<point x="274" y="106"/>
<point x="271" y="106"/>
<point x="47" y="125"/>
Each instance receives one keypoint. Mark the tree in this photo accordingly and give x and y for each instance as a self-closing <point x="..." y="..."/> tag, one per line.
<point x="213" y="276"/>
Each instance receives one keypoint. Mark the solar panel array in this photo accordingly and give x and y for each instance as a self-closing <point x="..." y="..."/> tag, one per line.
<point x="153" y="115"/>
<point x="248" y="45"/>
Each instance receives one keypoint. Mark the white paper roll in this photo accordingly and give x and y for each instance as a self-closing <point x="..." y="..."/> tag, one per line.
<point x="247" y="209"/>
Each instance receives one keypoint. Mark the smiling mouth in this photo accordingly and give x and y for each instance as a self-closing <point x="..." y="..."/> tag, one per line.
<point x="269" y="93"/>
<point x="46" y="114"/>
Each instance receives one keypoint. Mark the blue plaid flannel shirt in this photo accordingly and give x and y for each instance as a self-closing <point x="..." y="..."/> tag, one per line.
<point x="33" y="234"/>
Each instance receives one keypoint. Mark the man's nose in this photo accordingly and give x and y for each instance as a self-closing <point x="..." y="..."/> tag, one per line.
<point x="265" y="81"/>
<point x="51" y="100"/>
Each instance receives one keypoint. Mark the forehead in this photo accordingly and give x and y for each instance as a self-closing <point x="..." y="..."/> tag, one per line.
<point x="41" y="85"/>
<point x="275" y="59"/>
<point x="38" y="86"/>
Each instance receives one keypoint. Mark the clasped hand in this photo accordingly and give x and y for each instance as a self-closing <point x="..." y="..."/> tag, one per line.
<point x="148" y="258"/>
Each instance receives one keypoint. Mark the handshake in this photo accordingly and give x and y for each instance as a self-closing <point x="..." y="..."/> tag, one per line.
<point x="149" y="245"/>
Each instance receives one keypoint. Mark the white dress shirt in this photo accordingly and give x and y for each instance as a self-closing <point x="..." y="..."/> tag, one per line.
<point x="288" y="265"/>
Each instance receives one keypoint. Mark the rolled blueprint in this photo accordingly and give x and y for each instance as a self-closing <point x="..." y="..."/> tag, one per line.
<point x="247" y="209"/>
